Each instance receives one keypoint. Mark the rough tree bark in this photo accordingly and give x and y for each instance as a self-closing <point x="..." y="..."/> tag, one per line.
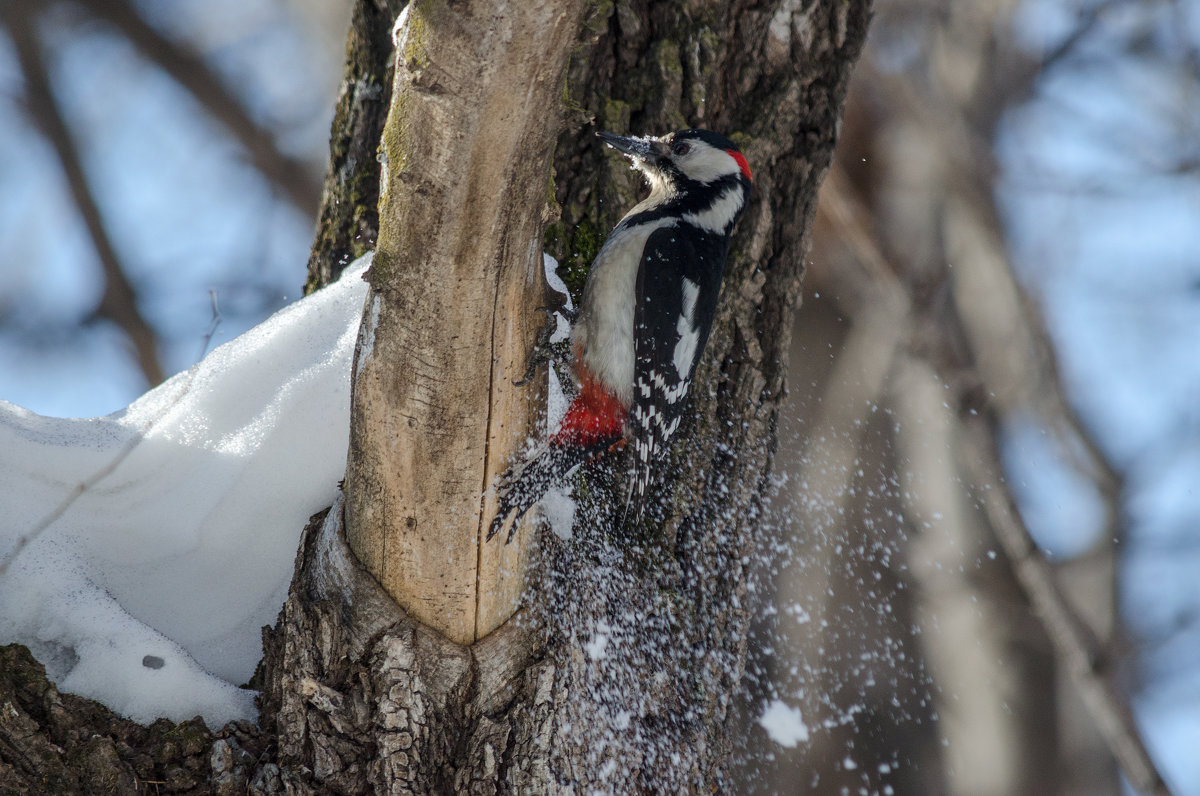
<point x="348" y="223"/>
<point x="620" y="671"/>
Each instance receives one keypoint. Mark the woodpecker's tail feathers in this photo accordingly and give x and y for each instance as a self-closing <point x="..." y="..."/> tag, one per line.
<point x="543" y="349"/>
<point x="525" y="483"/>
<point x="641" y="478"/>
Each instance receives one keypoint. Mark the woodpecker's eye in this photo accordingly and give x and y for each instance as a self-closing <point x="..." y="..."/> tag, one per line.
<point x="680" y="148"/>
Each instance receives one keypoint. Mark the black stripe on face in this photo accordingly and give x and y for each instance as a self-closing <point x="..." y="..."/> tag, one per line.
<point x="691" y="197"/>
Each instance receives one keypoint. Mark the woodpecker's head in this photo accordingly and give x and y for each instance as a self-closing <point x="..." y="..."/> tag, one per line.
<point x="683" y="159"/>
<point x="694" y="168"/>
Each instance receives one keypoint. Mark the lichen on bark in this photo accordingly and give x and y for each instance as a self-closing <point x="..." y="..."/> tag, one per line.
<point x="348" y="223"/>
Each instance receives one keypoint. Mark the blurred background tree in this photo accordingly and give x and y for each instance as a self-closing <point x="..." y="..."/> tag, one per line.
<point x="1002" y="301"/>
<point x="152" y="153"/>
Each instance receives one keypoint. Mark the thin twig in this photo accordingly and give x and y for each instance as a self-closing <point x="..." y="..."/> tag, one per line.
<point x="212" y="326"/>
<point x="80" y="489"/>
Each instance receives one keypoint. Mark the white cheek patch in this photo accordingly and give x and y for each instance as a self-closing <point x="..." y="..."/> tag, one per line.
<point x="720" y="214"/>
<point x="689" y="335"/>
<point x="706" y="163"/>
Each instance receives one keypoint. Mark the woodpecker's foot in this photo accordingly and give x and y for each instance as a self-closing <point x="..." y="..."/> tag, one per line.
<point x="498" y="523"/>
<point x="518" y="488"/>
<point x="570" y="315"/>
<point x="543" y="349"/>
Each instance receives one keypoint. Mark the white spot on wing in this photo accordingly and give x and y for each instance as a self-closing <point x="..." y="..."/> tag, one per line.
<point x="689" y="335"/>
<point x="691" y="291"/>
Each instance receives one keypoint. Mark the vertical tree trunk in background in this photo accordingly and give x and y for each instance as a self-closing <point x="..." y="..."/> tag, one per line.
<point x="621" y="672"/>
<point x="918" y="646"/>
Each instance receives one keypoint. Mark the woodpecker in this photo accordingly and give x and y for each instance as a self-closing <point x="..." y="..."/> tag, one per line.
<point x="647" y="310"/>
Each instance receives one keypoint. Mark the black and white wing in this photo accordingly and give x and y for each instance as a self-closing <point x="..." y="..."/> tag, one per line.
<point x="677" y="288"/>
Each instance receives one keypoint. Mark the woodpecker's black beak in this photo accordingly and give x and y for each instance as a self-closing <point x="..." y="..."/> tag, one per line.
<point x="641" y="148"/>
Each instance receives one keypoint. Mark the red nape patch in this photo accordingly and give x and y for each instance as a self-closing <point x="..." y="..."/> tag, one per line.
<point x="595" y="416"/>
<point x="741" y="161"/>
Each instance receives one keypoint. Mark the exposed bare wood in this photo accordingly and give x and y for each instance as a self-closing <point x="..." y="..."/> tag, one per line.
<point x="120" y="301"/>
<point x="451" y="316"/>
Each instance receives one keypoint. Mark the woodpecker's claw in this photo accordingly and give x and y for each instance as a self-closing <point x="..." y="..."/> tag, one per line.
<point x="520" y="487"/>
<point x="498" y="523"/>
<point x="543" y="351"/>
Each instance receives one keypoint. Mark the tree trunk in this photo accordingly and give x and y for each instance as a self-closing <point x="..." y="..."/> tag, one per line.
<point x="348" y="224"/>
<point x="619" y="672"/>
<point x="455" y="286"/>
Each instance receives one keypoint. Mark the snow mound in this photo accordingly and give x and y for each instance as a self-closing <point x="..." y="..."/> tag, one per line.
<point x="150" y="591"/>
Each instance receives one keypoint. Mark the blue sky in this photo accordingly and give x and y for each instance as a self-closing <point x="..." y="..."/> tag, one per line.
<point x="1102" y="197"/>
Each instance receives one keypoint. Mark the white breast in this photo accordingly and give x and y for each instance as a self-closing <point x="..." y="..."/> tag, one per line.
<point x="604" y="330"/>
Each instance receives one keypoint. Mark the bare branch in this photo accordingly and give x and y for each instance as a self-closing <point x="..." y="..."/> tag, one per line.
<point x="119" y="302"/>
<point x="1073" y="640"/>
<point x="212" y="325"/>
<point x="871" y="285"/>
<point x="970" y="150"/>
<point x="868" y="291"/>
<point x="1087" y="21"/>
<point x="294" y="177"/>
